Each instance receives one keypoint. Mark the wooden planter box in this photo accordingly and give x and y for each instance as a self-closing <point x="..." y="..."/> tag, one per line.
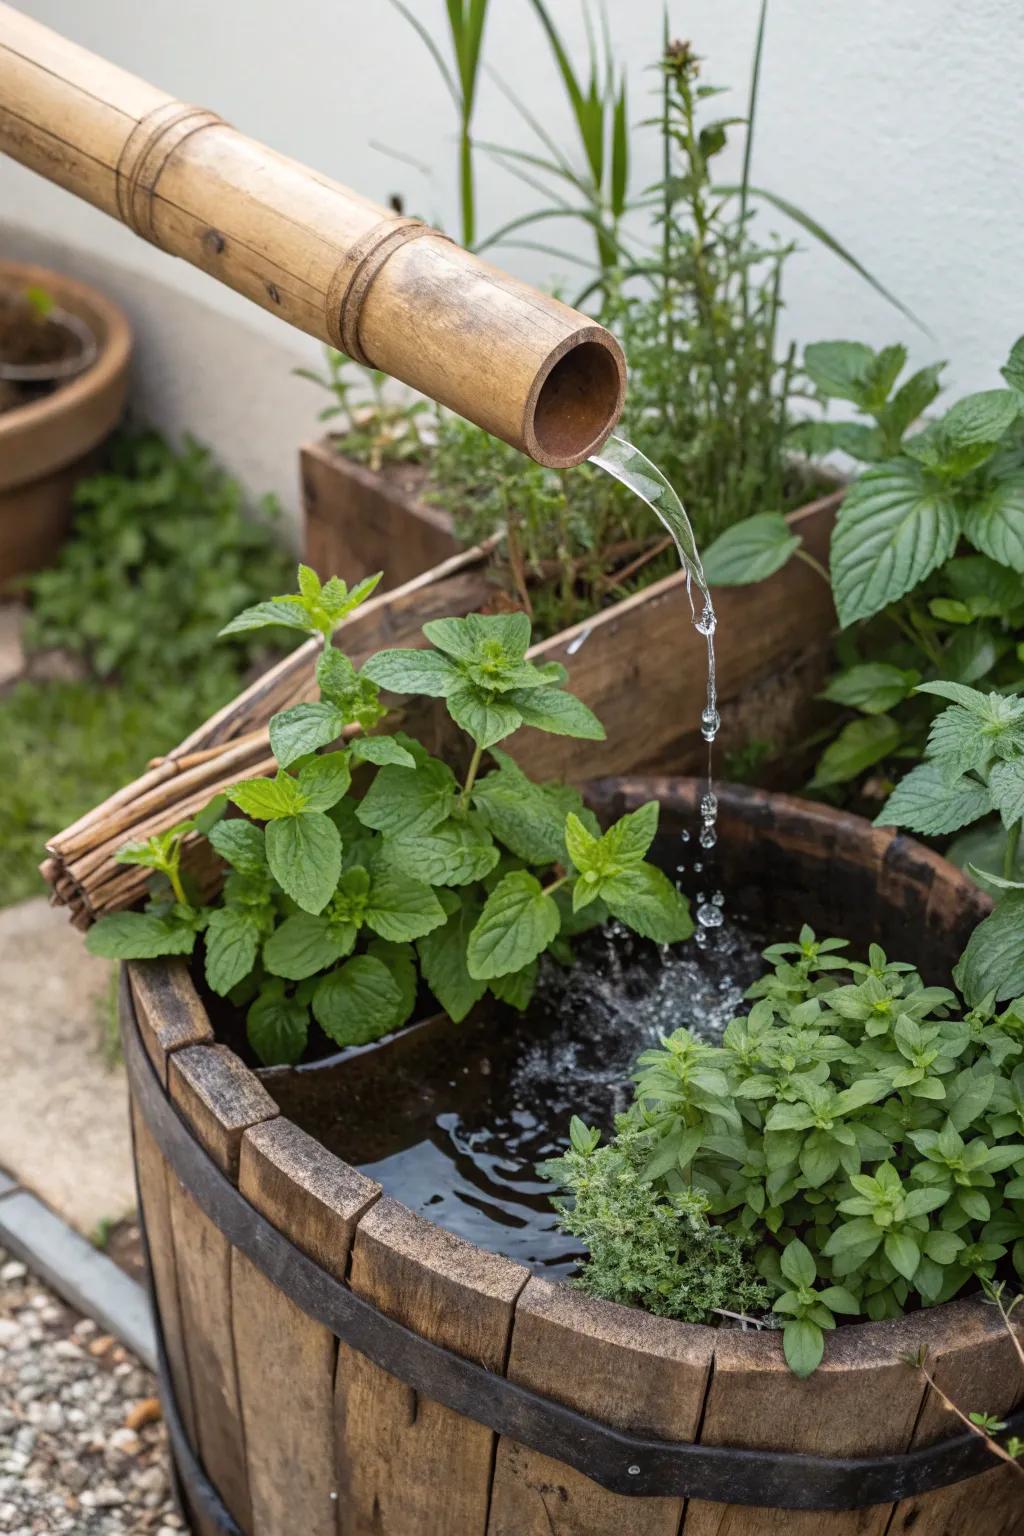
<point x="638" y="664"/>
<point x="298" y="1430"/>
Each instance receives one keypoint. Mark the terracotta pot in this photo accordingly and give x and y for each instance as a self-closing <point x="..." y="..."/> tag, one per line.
<point x="49" y="444"/>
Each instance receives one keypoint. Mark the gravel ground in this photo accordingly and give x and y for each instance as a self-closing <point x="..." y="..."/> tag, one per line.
<point x="81" y="1443"/>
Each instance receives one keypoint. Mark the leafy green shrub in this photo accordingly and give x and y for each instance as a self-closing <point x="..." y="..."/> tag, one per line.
<point x="861" y="1129"/>
<point x="338" y="904"/>
<point x="927" y="555"/>
<point x="161" y="556"/>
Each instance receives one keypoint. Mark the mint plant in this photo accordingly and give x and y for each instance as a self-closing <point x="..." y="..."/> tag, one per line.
<point x="927" y="559"/>
<point x="859" y="1134"/>
<point x="362" y="870"/>
<point x="974" y="767"/>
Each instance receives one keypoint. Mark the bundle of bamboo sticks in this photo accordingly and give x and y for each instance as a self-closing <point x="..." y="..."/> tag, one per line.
<point x="234" y="744"/>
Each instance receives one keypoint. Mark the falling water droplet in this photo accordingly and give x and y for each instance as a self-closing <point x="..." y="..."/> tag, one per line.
<point x="709" y="916"/>
<point x="698" y="867"/>
<point x="718" y="899"/>
<point x="708" y="837"/>
<point x="709" y="806"/>
<point x="684" y="837"/>
<point x="710" y="720"/>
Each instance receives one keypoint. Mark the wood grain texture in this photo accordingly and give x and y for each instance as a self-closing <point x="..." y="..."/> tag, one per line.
<point x="389" y="290"/>
<point x="358" y="521"/>
<point x="407" y="1464"/>
<point x="615" y="1364"/>
<point x="168" y="1010"/>
<point x="219" y="1098"/>
<point x="286" y="1361"/>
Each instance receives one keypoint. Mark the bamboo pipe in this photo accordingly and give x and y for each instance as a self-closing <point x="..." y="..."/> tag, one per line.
<point x="389" y="291"/>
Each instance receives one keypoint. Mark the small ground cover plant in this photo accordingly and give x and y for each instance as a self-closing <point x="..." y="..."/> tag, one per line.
<point x="344" y="896"/>
<point x="927" y="560"/>
<point x="858" y="1137"/>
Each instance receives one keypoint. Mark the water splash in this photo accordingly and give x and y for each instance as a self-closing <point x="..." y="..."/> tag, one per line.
<point x="634" y="470"/>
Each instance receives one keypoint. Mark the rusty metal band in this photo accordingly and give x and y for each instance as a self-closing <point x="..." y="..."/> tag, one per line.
<point x="623" y="1463"/>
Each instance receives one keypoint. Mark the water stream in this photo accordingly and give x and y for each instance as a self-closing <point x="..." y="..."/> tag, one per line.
<point x="635" y="471"/>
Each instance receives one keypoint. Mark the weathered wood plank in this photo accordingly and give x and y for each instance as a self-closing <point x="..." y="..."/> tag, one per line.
<point x="616" y="1364"/>
<point x="406" y="1464"/>
<point x="359" y="521"/>
<point x="286" y="1361"/>
<point x="219" y="1098"/>
<point x="169" y="1013"/>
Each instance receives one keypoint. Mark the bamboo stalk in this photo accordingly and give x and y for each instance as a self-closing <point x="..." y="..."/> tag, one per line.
<point x="388" y="290"/>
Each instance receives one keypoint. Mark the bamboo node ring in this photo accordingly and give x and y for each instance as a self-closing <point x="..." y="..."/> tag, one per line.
<point x="146" y="151"/>
<point x="355" y="276"/>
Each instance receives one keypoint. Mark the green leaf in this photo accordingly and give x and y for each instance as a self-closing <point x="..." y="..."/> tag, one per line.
<point x="750" y="551"/>
<point x="557" y="712"/>
<point x="455" y="853"/>
<point x="443" y="961"/>
<point x="464" y="638"/>
<point x="994" y="958"/>
<point x="912" y="399"/>
<point x="356" y="1003"/>
<point x="409" y="800"/>
<point x="629" y="839"/>
<point x="859" y="745"/>
<point x="803" y="1345"/>
<point x="1013" y="373"/>
<point x="305" y="944"/>
<point x="323" y="781"/>
<point x="893" y="529"/>
<point x="241" y="845"/>
<point x="413" y="671"/>
<point x="303" y="729"/>
<point x="874" y="687"/>
<point x="645" y="900"/>
<point x="287" y="615"/>
<point x="380" y="750"/>
<point x="518" y="922"/>
<point x="797" y="1264"/>
<point x="139" y="936"/>
<point x="231" y="941"/>
<point x="994" y="521"/>
<point x="839" y="369"/>
<point x="277" y="1027"/>
<point x="400" y="908"/>
<point x="304" y="854"/>
<point x="980" y="419"/>
<point x="903" y="1253"/>
<point x="485" y="717"/>
<point x="400" y="960"/>
<point x="1006" y="784"/>
<point x="517" y="989"/>
<point x="926" y="803"/>
<point x="267" y="799"/>
<point x="528" y="818"/>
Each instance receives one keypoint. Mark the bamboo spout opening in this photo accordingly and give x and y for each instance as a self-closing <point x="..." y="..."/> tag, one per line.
<point x="576" y="400"/>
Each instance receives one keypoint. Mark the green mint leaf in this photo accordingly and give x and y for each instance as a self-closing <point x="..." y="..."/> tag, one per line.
<point x="956" y="743"/>
<point x="309" y="582"/>
<point x="518" y="922"/>
<point x="356" y="1004"/>
<point x="517" y="989"/>
<point x="380" y="750"/>
<point x="998" y="881"/>
<point x="455" y="853"/>
<point x="267" y="799"/>
<point x="338" y="602"/>
<point x="323" y="781"/>
<point x="1013" y="373"/>
<point x="304" y="854"/>
<point x="290" y="614"/>
<point x="305" y="944"/>
<point x="232" y="941"/>
<point x="139" y="936"/>
<point x="408" y="671"/>
<point x="484" y="717"/>
<point x="645" y="899"/>
<point x="980" y="420"/>
<point x="583" y="848"/>
<point x="874" y="687"/>
<point x="911" y="400"/>
<point x="628" y="839"/>
<point x="1006" y="785"/>
<point x="400" y="960"/>
<point x="994" y="520"/>
<point x="893" y="529"/>
<point x="335" y="674"/>
<point x="400" y="908"/>
<point x="994" y="958"/>
<point x="465" y="638"/>
<point x="443" y="961"/>
<point x="859" y="745"/>
<point x="241" y="845"/>
<point x="277" y="1026"/>
<point x="839" y="370"/>
<point x="528" y="818"/>
<point x="924" y="802"/>
<point x="409" y="800"/>
<point x="555" y="711"/>
<point x="797" y="1263"/>
<point x="903" y="1253"/>
<point x="968" y="698"/>
<point x="296" y="732"/>
<point x="803" y="1345"/>
<point x="750" y="551"/>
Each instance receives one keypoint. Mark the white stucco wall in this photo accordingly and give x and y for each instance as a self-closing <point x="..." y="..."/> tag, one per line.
<point x="898" y="126"/>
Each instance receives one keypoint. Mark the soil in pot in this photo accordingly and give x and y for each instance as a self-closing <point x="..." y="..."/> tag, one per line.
<point x="40" y="346"/>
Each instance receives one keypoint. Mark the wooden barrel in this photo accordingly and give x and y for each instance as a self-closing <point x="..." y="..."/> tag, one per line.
<point x="337" y="1366"/>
